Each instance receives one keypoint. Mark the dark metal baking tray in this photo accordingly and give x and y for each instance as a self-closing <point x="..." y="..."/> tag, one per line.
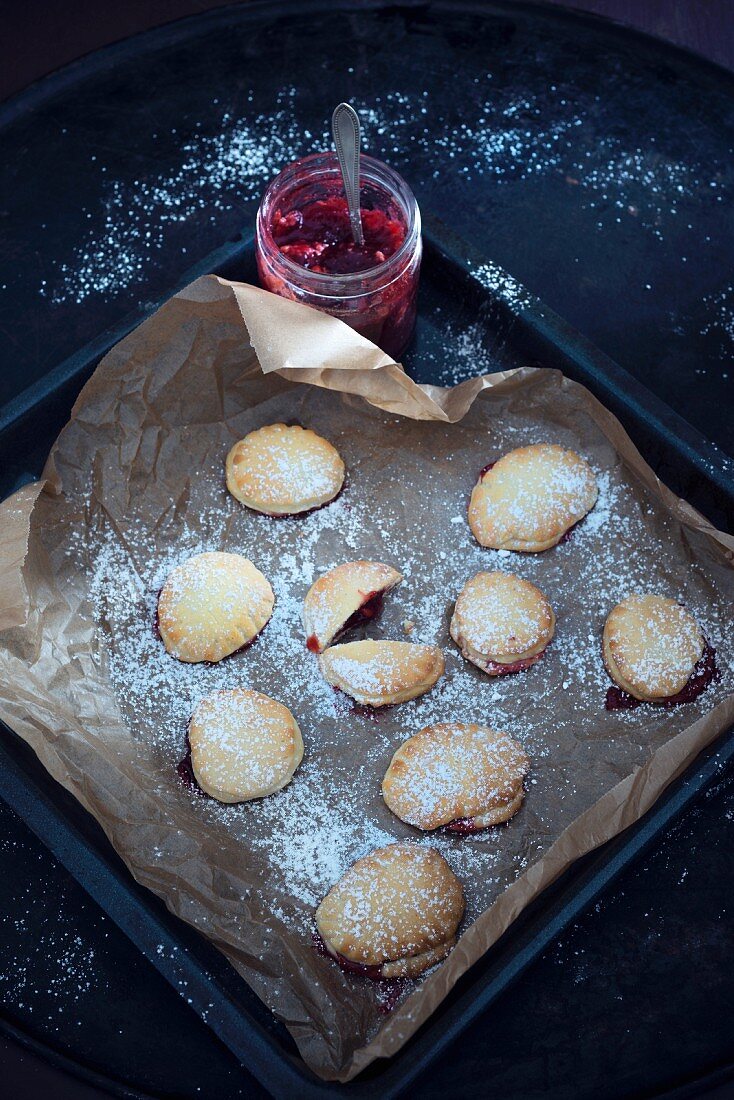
<point x="512" y="332"/>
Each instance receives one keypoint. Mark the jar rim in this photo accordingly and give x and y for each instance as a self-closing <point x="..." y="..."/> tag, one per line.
<point x="339" y="285"/>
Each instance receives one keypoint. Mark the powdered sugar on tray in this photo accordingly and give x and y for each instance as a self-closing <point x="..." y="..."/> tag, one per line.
<point x="503" y="286"/>
<point x="502" y="137"/>
<point x="332" y="811"/>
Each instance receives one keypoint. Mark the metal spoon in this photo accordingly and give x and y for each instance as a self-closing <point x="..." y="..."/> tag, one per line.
<point x="345" y="128"/>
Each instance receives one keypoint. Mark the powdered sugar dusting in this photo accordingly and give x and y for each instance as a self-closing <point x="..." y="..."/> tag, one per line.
<point x="454" y="771"/>
<point x="503" y="137"/>
<point x="405" y="504"/>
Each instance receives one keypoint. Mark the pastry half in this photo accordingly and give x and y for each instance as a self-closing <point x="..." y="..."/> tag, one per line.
<point x="531" y="497"/>
<point x="379" y="673"/>
<point x="244" y="745"/>
<point x="284" y="469"/>
<point x="502" y="623"/>
<point x="212" y="605"/>
<point x="394" y="913"/>
<point x="344" y="597"/>
<point x="651" y="646"/>
<point x="456" y="773"/>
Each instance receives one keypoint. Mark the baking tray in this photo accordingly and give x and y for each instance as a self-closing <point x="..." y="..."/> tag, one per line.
<point x="516" y="329"/>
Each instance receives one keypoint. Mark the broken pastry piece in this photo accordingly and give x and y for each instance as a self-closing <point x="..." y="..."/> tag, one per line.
<point x="381" y="673"/>
<point x="530" y="498"/>
<point x="502" y="623"/>
<point x="343" y="598"/>
<point x="393" y="914"/>
<point x="651" y="646"/>
<point x="283" y="469"/>
<point x="458" y="775"/>
<point x="244" y="745"/>
<point x="212" y="605"/>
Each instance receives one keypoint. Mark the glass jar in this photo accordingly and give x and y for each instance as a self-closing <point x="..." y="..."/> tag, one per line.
<point x="374" y="289"/>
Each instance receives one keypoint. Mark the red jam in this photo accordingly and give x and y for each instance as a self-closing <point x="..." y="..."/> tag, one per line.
<point x="368" y="610"/>
<point x="496" y="668"/>
<point x="185" y="772"/>
<point x="306" y="252"/>
<point x="568" y="535"/>
<point x="363" y="710"/>
<point x="365" y="613"/>
<point x="389" y="990"/>
<point x="705" y="673"/>
<point x="464" y="826"/>
<point x="374" y="973"/>
<point x="318" y="235"/>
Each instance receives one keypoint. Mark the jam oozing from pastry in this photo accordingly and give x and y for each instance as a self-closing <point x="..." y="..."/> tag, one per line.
<point x="705" y="672"/>
<point x="464" y="826"/>
<point x="368" y="610"/>
<point x="389" y="993"/>
<point x="569" y="534"/>
<point x="619" y="699"/>
<point x="499" y="669"/>
<point x="185" y="772"/>
<point x="389" y="990"/>
<point x="365" y="710"/>
<point x="485" y="469"/>
<point x="156" y="618"/>
<point x="374" y="973"/>
<point x="317" y="235"/>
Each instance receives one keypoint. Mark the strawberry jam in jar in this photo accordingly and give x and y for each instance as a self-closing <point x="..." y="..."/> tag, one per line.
<point x="306" y="251"/>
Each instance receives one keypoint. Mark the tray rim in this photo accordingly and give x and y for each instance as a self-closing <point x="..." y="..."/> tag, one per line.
<point x="617" y="383"/>
<point x="607" y="862"/>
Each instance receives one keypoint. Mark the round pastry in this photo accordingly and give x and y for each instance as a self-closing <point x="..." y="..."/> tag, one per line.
<point x="345" y="597"/>
<point x="377" y="674"/>
<point x="530" y="498"/>
<point x="502" y="623"/>
<point x="212" y="605"/>
<point x="244" y="745"/>
<point x="456" y="772"/>
<point x="651" y="646"/>
<point x="282" y="470"/>
<point x="394" y="913"/>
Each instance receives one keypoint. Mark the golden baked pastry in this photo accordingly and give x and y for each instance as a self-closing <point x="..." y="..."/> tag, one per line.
<point x="212" y="605"/>
<point x="651" y="646"/>
<point x="244" y="745"/>
<point x="502" y="623"/>
<point x="456" y="772"/>
<point x="394" y="912"/>
<point x="345" y="596"/>
<point x="531" y="497"/>
<point x="379" y="673"/>
<point x="282" y="470"/>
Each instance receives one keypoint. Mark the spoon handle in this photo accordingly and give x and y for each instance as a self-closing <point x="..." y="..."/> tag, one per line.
<point x="345" y="127"/>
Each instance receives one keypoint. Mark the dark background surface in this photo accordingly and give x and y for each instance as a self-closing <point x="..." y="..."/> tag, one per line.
<point x="43" y="35"/>
<point x="637" y="997"/>
<point x="591" y="166"/>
